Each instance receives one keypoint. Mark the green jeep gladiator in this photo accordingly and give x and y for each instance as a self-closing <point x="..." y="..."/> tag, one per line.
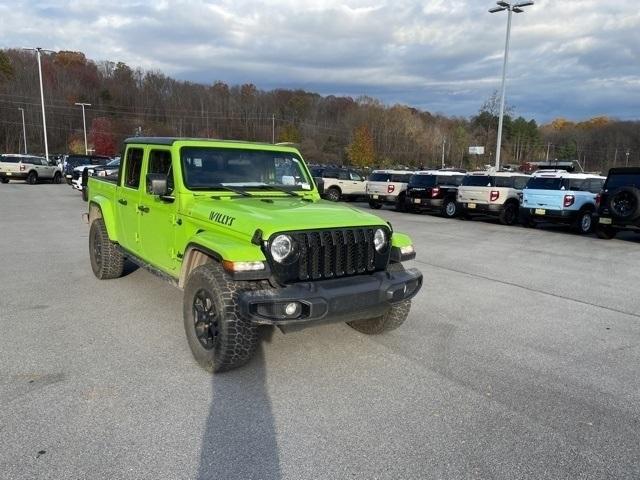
<point x="241" y="228"/>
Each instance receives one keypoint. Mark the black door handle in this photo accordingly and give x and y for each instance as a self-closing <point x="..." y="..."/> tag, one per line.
<point x="122" y="201"/>
<point x="143" y="208"/>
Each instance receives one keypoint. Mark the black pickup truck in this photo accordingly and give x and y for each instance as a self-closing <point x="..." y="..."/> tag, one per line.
<point x="619" y="203"/>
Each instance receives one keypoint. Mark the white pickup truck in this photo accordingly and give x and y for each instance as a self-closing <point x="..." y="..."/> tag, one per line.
<point x="30" y="168"/>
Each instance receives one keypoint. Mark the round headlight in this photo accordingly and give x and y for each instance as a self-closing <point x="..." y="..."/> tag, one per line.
<point x="281" y="248"/>
<point x="379" y="240"/>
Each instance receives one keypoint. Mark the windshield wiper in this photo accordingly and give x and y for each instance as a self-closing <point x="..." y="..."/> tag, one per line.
<point x="219" y="186"/>
<point x="277" y="189"/>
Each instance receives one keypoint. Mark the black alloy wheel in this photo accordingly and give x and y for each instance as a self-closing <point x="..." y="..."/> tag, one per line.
<point x="205" y="318"/>
<point x="624" y="203"/>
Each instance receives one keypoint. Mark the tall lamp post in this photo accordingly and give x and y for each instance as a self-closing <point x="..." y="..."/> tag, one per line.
<point x="84" y="125"/>
<point x="39" y="51"/>
<point x="24" y="130"/>
<point x="510" y="8"/>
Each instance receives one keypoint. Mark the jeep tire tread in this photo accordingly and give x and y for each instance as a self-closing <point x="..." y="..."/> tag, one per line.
<point x="384" y="323"/>
<point x="85" y="194"/>
<point x="234" y="340"/>
<point x="106" y="260"/>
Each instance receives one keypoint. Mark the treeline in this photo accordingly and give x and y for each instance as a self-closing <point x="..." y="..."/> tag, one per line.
<point x="334" y="130"/>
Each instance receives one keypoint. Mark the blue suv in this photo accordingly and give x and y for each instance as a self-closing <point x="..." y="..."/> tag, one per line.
<point x="557" y="196"/>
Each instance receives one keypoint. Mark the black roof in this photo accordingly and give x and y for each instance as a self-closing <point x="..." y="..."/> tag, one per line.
<point x="172" y="140"/>
<point x="625" y="170"/>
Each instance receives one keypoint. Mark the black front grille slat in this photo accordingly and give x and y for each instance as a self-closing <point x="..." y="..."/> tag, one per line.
<point x="334" y="253"/>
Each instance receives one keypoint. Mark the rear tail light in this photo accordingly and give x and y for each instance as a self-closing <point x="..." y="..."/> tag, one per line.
<point x="22" y="167"/>
<point x="391" y="188"/>
<point x="495" y="195"/>
<point x="435" y="191"/>
<point x="568" y="200"/>
<point x="598" y="200"/>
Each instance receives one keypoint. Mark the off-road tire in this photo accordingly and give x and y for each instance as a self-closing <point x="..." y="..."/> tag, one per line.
<point x="390" y="320"/>
<point x="85" y="194"/>
<point x="106" y="261"/>
<point x="605" y="232"/>
<point x="57" y="178"/>
<point x="4" y="180"/>
<point x="581" y="224"/>
<point x="449" y="208"/>
<point x="632" y="194"/>
<point x="32" y="178"/>
<point x="375" y="205"/>
<point x="332" y="194"/>
<point x="234" y="340"/>
<point x="509" y="214"/>
<point x="385" y="323"/>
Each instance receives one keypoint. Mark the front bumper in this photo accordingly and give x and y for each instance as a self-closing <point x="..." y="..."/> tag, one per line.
<point x="339" y="300"/>
<point x="559" y="216"/>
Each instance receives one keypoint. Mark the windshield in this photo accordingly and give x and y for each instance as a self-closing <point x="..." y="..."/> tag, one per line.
<point x="209" y="168"/>
<point x="623" y="180"/>
<point x="542" y="183"/>
<point x="477" y="181"/>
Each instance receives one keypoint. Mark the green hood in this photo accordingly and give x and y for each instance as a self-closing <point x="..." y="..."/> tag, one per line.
<point x="277" y="214"/>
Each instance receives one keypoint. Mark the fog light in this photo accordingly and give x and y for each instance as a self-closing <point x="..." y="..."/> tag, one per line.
<point x="407" y="250"/>
<point x="292" y="309"/>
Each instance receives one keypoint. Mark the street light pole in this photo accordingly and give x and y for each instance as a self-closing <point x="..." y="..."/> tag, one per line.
<point x="39" y="51"/>
<point x="84" y="125"/>
<point x="24" y="130"/>
<point x="510" y="8"/>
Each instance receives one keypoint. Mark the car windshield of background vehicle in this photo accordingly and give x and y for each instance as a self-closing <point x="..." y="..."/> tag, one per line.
<point x="423" y="181"/>
<point x="379" y="177"/>
<point x="542" y="183"/>
<point x="624" y="180"/>
<point x="208" y="168"/>
<point x="455" y="180"/>
<point x="477" y="181"/>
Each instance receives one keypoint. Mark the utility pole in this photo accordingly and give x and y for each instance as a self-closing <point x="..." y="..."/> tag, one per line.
<point x="615" y="157"/>
<point x="24" y="130"/>
<point x="510" y="8"/>
<point x="39" y="51"/>
<point x="273" y="128"/>
<point x="84" y="125"/>
<point x="548" y="148"/>
<point x="444" y="142"/>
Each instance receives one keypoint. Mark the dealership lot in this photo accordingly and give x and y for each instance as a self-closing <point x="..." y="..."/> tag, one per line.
<point x="519" y="360"/>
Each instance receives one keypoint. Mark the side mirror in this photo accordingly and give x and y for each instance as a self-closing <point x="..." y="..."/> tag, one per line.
<point x="157" y="184"/>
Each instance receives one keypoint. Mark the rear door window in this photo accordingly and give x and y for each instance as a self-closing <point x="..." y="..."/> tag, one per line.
<point x="160" y="162"/>
<point x="10" y="159"/>
<point x="520" y="182"/>
<point x="133" y="167"/>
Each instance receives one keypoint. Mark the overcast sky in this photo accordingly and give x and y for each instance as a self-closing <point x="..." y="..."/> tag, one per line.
<point x="571" y="58"/>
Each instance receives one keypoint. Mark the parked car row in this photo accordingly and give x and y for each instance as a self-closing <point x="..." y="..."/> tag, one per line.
<point x="586" y="202"/>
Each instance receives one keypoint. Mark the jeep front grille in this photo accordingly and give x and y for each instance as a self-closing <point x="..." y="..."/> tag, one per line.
<point x="334" y="253"/>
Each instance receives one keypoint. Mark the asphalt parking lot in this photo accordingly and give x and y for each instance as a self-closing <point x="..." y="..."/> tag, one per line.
<point x="519" y="360"/>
